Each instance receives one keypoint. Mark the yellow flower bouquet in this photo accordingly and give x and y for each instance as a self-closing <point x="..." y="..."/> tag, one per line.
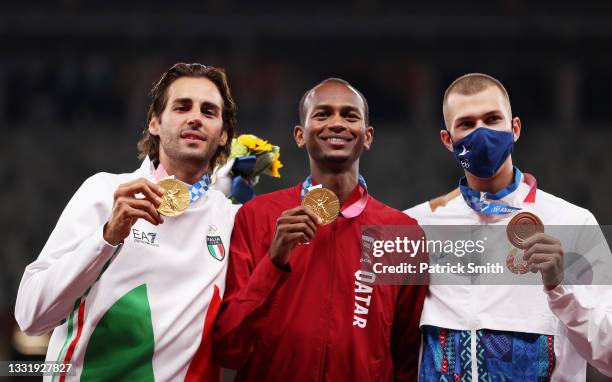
<point x="266" y="156"/>
<point x="249" y="158"/>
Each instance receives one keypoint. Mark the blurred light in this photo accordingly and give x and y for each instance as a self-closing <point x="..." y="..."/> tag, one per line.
<point x="30" y="345"/>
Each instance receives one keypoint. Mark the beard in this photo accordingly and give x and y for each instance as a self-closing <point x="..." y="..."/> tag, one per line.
<point x="176" y="150"/>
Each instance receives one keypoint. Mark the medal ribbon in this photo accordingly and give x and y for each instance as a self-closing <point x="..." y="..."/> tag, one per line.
<point x="199" y="188"/>
<point x="475" y="199"/>
<point x="351" y="210"/>
<point x="195" y="192"/>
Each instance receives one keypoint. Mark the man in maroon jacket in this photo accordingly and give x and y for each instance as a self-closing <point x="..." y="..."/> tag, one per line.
<point x="297" y="307"/>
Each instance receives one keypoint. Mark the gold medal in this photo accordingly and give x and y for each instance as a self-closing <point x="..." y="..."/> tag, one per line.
<point x="176" y="198"/>
<point x="323" y="203"/>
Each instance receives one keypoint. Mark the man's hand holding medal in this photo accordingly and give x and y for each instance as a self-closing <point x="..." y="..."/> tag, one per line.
<point x="129" y="207"/>
<point x="320" y="206"/>
<point x="542" y="253"/>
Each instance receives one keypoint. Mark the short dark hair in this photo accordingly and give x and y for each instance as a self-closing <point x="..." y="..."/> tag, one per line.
<point x="302" y="108"/>
<point x="473" y="83"/>
<point x="148" y="145"/>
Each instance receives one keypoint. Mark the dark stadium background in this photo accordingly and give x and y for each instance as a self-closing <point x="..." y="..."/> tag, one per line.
<point x="74" y="79"/>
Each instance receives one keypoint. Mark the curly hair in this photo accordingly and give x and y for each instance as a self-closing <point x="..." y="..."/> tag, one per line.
<point x="148" y="145"/>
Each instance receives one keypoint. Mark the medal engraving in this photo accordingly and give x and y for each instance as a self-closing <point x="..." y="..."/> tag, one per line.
<point x="176" y="198"/>
<point x="515" y="264"/>
<point x="323" y="203"/>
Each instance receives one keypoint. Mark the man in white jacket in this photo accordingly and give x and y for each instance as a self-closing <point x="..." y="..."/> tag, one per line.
<point x="507" y="332"/>
<point x="129" y="294"/>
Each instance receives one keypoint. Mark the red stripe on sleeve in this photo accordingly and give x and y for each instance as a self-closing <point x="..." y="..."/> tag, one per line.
<point x="74" y="342"/>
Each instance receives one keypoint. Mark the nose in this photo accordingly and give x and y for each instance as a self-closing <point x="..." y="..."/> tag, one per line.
<point x="336" y="123"/>
<point x="194" y="123"/>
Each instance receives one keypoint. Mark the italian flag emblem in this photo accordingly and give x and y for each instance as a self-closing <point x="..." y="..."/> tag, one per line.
<point x="215" y="247"/>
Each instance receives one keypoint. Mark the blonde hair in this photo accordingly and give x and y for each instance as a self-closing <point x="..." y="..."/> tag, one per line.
<point x="473" y="83"/>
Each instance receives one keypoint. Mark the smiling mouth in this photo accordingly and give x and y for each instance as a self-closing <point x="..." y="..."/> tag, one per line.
<point x="336" y="140"/>
<point x="193" y="136"/>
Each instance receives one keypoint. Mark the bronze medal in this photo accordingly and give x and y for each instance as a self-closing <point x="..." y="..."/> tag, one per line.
<point x="523" y="226"/>
<point x="516" y="264"/>
<point x="176" y="198"/>
<point x="323" y="203"/>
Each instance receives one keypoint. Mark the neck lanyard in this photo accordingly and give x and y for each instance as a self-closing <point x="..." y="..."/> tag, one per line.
<point x="476" y="200"/>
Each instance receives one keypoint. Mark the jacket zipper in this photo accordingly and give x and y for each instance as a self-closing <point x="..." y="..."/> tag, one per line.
<point x="329" y="301"/>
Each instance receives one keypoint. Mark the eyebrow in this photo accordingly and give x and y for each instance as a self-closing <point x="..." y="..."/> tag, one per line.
<point x="182" y="100"/>
<point x="210" y="105"/>
<point x="343" y="108"/>
<point x="487" y="114"/>
<point x="205" y="104"/>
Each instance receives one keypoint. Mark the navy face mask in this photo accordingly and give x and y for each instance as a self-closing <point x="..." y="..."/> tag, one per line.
<point x="483" y="151"/>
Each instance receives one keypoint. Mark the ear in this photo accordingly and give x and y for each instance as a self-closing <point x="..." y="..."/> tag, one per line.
<point x="154" y="126"/>
<point x="446" y="140"/>
<point x="298" y="135"/>
<point x="369" y="137"/>
<point x="223" y="140"/>
<point x="516" y="128"/>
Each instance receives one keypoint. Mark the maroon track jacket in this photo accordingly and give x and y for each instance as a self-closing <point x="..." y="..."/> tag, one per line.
<point x="319" y="319"/>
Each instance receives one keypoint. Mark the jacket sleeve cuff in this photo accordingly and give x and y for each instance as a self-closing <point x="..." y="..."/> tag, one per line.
<point x="557" y="292"/>
<point x="105" y="248"/>
<point x="569" y="303"/>
<point x="265" y="277"/>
